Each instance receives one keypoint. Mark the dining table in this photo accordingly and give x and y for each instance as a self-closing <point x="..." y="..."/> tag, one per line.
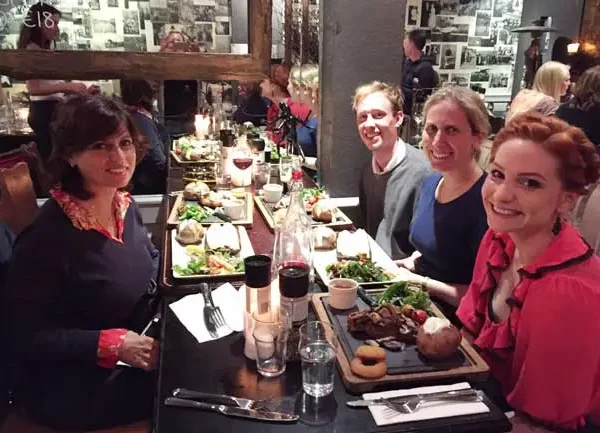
<point x="219" y="366"/>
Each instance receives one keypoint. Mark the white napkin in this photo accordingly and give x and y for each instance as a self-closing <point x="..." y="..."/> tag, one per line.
<point x="439" y="409"/>
<point x="189" y="311"/>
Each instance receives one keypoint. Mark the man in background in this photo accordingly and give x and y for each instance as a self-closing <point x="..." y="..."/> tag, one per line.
<point x="416" y="65"/>
<point x="391" y="179"/>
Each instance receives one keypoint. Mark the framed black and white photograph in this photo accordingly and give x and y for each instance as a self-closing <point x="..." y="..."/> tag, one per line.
<point x="174" y="13"/>
<point x="483" y="22"/>
<point x="444" y="79"/>
<point x="506" y="37"/>
<point x="499" y="80"/>
<point x="468" y="58"/>
<point x="94" y="5"/>
<point x="159" y="15"/>
<point x="222" y="28"/>
<point x="467" y="8"/>
<point x="449" y="7"/>
<point x="112" y="3"/>
<point x="222" y="44"/>
<point x="204" y="32"/>
<point x="481" y="76"/>
<point x="433" y="51"/>
<point x="131" y="22"/>
<point x="501" y="56"/>
<point x="145" y="15"/>
<point x="158" y="32"/>
<point x="448" y="59"/>
<point x="134" y="43"/>
<point x="478" y="42"/>
<point x="412" y="15"/>
<point x="106" y="26"/>
<point x="204" y="13"/>
<point x="222" y="10"/>
<point x="429" y="11"/>
<point x="460" y="79"/>
<point x="503" y="7"/>
<point x="114" y="44"/>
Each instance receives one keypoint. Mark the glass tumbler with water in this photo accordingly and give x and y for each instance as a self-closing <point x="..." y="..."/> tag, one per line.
<point x="270" y="333"/>
<point x="318" y="345"/>
<point x="262" y="175"/>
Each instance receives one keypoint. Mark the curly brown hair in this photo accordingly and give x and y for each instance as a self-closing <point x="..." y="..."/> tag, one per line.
<point x="578" y="161"/>
<point x="586" y="94"/>
<point x="79" y="122"/>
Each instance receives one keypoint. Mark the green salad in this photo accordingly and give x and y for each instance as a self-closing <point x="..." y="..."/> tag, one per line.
<point x="405" y="293"/>
<point x="361" y="271"/>
<point x="218" y="263"/>
<point x="193" y="211"/>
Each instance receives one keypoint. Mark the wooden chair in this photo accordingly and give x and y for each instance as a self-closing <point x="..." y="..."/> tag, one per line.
<point x="586" y="215"/>
<point x="29" y="154"/>
<point x="16" y="423"/>
<point x="18" y="204"/>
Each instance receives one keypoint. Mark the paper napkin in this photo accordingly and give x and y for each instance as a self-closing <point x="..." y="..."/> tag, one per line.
<point x="438" y="409"/>
<point x="189" y="311"/>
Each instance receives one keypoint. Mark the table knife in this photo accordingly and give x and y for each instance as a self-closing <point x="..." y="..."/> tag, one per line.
<point x="468" y="392"/>
<point x="232" y="410"/>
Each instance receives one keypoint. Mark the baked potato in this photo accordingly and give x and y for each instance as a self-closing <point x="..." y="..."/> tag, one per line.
<point x="322" y="211"/>
<point x="438" y="338"/>
<point x="195" y="190"/>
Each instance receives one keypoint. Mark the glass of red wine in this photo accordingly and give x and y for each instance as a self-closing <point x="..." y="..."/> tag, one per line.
<point x="242" y="158"/>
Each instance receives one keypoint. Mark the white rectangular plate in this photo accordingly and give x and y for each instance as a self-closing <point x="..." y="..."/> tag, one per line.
<point x="180" y="257"/>
<point x="323" y="258"/>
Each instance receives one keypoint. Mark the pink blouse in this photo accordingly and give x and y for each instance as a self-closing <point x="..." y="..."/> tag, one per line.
<point x="546" y="354"/>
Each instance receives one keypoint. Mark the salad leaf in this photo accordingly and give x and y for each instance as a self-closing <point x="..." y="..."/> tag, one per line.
<point x="405" y="293"/>
<point x="193" y="211"/>
<point x="359" y="271"/>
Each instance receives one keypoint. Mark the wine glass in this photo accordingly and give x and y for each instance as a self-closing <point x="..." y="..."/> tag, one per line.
<point x="242" y="158"/>
<point x="262" y="175"/>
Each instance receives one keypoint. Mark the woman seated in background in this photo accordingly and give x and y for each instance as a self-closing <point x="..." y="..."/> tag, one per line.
<point x="252" y="107"/>
<point x="583" y="110"/>
<point x="532" y="307"/>
<point x="275" y="89"/>
<point x="81" y="283"/>
<point x="40" y="32"/>
<point x="304" y="88"/>
<point x="552" y="81"/>
<point x="150" y="175"/>
<point x="449" y="219"/>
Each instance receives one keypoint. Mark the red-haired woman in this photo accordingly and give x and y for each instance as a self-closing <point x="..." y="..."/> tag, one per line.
<point x="533" y="303"/>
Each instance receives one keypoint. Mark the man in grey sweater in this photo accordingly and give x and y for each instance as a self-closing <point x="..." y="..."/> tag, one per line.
<point x="391" y="180"/>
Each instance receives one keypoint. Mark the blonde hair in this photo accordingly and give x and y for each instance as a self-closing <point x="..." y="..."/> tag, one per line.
<point x="528" y="100"/>
<point x="549" y="79"/>
<point x="468" y="101"/>
<point x="296" y="76"/>
<point x="310" y="75"/>
<point x="392" y="93"/>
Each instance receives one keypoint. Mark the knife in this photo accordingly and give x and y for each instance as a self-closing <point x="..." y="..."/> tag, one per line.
<point x="362" y="294"/>
<point x="232" y="410"/>
<point x="468" y="392"/>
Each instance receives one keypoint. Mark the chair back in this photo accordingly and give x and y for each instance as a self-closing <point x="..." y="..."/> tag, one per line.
<point x="18" y="204"/>
<point x="586" y="215"/>
<point x="29" y="154"/>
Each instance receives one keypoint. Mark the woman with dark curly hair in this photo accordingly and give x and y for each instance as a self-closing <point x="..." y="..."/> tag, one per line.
<point x="81" y="283"/>
<point x="532" y="306"/>
<point x="583" y="110"/>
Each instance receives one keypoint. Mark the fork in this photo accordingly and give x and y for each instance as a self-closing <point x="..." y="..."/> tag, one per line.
<point x="222" y="328"/>
<point x="413" y="404"/>
<point x="209" y="312"/>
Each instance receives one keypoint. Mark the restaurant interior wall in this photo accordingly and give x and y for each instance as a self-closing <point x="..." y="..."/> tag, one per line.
<point x="470" y="41"/>
<point x="566" y="18"/>
<point x="359" y="43"/>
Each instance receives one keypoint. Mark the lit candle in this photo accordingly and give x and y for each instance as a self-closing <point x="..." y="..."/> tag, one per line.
<point x="202" y="124"/>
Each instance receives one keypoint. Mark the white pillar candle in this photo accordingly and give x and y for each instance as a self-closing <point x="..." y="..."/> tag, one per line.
<point x="202" y="125"/>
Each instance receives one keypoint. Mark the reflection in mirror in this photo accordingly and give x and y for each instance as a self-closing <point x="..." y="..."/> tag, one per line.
<point x="202" y="26"/>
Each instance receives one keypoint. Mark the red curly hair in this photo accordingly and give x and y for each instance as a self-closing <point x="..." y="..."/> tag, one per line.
<point x="578" y="161"/>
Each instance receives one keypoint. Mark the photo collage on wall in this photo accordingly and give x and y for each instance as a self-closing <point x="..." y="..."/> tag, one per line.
<point x="130" y="25"/>
<point x="469" y="41"/>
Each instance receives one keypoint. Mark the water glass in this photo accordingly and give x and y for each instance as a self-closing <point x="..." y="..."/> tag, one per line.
<point x="270" y="332"/>
<point x="285" y="169"/>
<point x="318" y="346"/>
<point x="262" y="175"/>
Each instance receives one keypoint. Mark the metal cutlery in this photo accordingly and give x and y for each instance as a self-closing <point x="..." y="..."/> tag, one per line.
<point x="411" y="403"/>
<point x="209" y="311"/>
<point x="222" y="328"/>
<point x="244" y="403"/>
<point x="233" y="410"/>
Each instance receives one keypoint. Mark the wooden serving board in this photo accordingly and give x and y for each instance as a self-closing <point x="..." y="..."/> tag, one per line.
<point x="173" y="220"/>
<point x="404" y="367"/>
<point x="267" y="211"/>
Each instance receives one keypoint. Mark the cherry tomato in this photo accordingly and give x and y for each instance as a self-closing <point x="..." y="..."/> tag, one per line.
<point x="420" y="316"/>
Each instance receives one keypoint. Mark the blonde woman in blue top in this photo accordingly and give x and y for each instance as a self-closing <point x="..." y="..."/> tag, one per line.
<point x="449" y="219"/>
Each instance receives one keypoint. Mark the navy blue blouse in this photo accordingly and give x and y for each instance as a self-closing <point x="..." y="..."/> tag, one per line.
<point x="448" y="234"/>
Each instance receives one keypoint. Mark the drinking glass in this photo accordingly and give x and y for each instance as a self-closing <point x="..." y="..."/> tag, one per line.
<point x="317" y="346"/>
<point x="262" y="175"/>
<point x="242" y="158"/>
<point x="270" y="332"/>
<point x="285" y="169"/>
<point x="222" y="180"/>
